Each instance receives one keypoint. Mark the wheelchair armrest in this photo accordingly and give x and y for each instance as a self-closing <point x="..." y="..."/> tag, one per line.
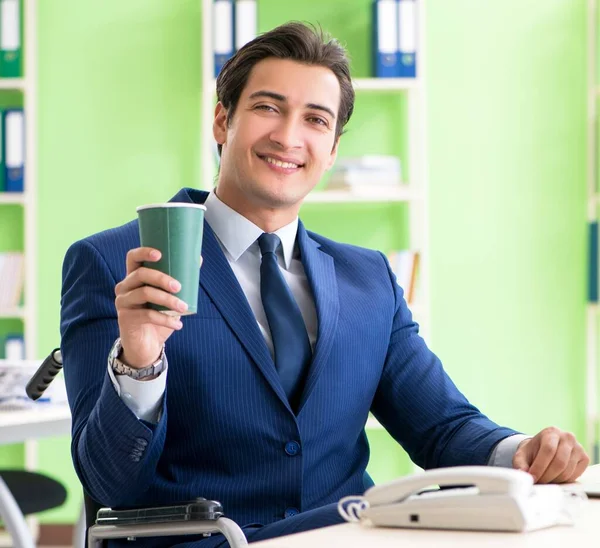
<point x="230" y="529"/>
<point x="198" y="516"/>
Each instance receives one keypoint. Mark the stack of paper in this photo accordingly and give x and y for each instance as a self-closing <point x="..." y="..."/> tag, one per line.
<point x="371" y="172"/>
<point x="14" y="376"/>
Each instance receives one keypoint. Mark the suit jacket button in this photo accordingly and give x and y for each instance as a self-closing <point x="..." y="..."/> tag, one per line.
<point x="289" y="512"/>
<point x="292" y="448"/>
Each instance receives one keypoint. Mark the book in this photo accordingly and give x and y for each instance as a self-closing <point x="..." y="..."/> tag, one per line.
<point x="593" y="263"/>
<point x="222" y="33"/>
<point x="2" y="141"/>
<point x="10" y="39"/>
<point x="368" y="172"/>
<point x="245" y="22"/>
<point x="12" y="274"/>
<point x="405" y="265"/>
<point x="407" y="39"/>
<point x="14" y="149"/>
<point x="385" y="38"/>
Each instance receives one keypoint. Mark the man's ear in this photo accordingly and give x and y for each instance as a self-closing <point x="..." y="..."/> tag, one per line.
<point x="333" y="154"/>
<point x="220" y="124"/>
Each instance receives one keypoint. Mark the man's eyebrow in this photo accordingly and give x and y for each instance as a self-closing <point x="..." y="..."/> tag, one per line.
<point x="283" y="99"/>
<point x="321" y="107"/>
<point x="270" y="94"/>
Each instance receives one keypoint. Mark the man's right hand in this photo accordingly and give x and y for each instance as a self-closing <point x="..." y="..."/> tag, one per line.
<point x="143" y="330"/>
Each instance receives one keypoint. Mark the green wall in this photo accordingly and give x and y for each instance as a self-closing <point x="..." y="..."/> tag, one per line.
<point x="118" y="126"/>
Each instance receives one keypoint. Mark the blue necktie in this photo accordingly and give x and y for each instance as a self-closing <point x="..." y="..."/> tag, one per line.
<point x="290" y="339"/>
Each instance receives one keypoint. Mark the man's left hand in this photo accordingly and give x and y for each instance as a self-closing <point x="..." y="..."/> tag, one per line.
<point x="553" y="456"/>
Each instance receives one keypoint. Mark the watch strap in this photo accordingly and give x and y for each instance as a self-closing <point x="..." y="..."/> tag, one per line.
<point x="121" y="368"/>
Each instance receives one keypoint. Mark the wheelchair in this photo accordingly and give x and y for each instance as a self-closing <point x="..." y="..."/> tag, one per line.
<point x="193" y="517"/>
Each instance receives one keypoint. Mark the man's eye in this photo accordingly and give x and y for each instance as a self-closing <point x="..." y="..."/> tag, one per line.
<point x="266" y="108"/>
<point x="319" y="121"/>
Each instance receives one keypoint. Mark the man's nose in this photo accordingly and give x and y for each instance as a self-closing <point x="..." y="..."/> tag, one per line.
<point x="287" y="134"/>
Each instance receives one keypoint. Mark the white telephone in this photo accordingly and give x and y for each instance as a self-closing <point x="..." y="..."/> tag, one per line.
<point x="478" y="498"/>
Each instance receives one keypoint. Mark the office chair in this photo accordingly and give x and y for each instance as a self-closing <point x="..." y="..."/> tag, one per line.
<point x="105" y="523"/>
<point x="23" y="493"/>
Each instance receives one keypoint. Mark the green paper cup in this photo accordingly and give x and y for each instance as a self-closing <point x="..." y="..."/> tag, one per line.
<point x="175" y="229"/>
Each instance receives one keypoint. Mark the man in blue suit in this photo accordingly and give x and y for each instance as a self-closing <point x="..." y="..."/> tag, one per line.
<point x="260" y="399"/>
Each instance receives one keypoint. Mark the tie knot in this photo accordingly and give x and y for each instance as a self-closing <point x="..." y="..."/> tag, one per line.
<point x="268" y="243"/>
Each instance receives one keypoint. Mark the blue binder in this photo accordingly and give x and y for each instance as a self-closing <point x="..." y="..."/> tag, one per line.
<point x="407" y="38"/>
<point x="385" y="38"/>
<point x="222" y="32"/>
<point x="245" y="22"/>
<point x="593" y="263"/>
<point x="13" y="125"/>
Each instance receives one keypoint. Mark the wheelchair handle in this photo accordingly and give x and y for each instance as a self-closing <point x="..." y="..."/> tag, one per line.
<point x="45" y="374"/>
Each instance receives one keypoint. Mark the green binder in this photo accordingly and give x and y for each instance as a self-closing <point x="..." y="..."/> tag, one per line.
<point x="10" y="39"/>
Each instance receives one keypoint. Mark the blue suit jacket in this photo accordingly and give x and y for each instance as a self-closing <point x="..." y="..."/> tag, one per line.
<point x="226" y="425"/>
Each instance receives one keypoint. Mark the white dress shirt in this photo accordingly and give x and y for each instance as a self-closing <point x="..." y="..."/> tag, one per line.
<point x="238" y="237"/>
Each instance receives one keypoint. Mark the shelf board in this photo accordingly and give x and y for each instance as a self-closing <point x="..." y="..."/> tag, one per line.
<point x="385" y="84"/>
<point x="12" y="83"/>
<point x="364" y="194"/>
<point x="13" y="197"/>
<point x="12" y="313"/>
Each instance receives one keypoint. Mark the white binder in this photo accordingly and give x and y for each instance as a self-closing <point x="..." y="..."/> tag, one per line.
<point x="245" y="22"/>
<point x="222" y="32"/>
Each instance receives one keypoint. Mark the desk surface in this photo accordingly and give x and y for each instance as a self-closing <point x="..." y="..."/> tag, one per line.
<point x="586" y="532"/>
<point x="44" y="421"/>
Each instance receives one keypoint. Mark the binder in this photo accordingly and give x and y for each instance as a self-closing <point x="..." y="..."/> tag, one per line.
<point x="10" y="39"/>
<point x="593" y="263"/>
<point x="14" y="149"/>
<point x="407" y="38"/>
<point x="13" y="276"/>
<point x="245" y="22"/>
<point x="14" y="348"/>
<point x="2" y="178"/>
<point x="222" y="32"/>
<point x="385" y="38"/>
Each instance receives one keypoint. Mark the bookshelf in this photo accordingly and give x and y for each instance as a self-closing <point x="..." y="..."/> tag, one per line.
<point x="26" y="88"/>
<point x="13" y="197"/>
<point x="409" y="200"/>
<point x="592" y="412"/>
<point x="23" y="91"/>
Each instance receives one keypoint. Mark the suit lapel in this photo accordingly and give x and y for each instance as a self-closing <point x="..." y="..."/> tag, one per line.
<point x="320" y="271"/>
<point x="220" y="283"/>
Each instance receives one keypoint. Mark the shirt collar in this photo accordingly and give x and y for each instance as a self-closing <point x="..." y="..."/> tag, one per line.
<point x="237" y="233"/>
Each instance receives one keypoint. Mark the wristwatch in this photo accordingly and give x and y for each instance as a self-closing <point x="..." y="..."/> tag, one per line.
<point x="121" y="368"/>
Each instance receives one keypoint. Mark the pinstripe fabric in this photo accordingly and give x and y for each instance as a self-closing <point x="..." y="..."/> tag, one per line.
<point x="226" y="420"/>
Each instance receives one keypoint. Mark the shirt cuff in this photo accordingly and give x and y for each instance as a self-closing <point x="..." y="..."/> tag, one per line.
<point x="144" y="398"/>
<point x="505" y="450"/>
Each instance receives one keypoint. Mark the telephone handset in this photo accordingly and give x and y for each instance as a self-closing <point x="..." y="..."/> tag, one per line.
<point x="488" y="498"/>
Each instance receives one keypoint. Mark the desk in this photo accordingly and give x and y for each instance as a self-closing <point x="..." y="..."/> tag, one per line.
<point x="586" y="532"/>
<point x="43" y="421"/>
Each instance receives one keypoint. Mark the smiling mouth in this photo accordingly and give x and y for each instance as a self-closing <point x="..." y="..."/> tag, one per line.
<point x="278" y="163"/>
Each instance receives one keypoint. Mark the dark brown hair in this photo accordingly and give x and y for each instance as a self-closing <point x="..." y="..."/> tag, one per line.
<point x="295" y="41"/>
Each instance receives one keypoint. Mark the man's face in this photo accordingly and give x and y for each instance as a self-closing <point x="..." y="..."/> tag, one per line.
<point x="281" y="138"/>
